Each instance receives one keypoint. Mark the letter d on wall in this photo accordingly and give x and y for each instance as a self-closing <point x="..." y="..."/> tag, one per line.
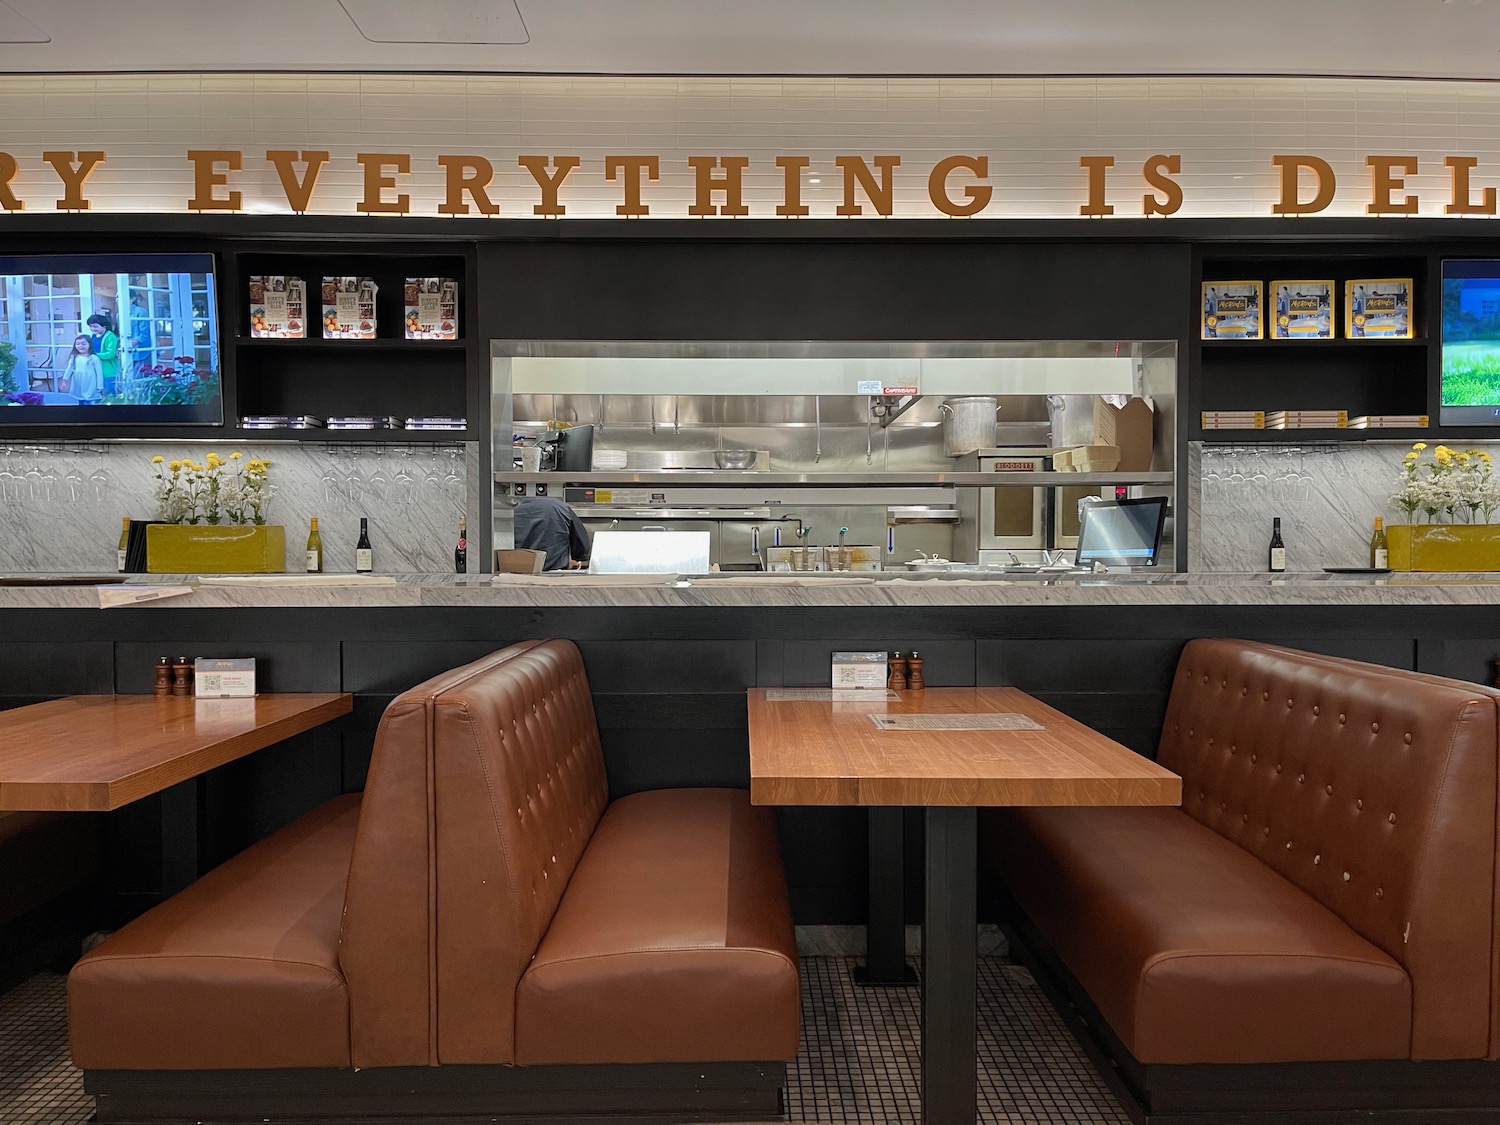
<point x="1291" y="174"/>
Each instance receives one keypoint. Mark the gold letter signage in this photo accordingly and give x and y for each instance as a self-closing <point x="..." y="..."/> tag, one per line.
<point x="958" y="186"/>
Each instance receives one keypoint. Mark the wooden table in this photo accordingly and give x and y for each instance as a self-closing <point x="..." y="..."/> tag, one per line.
<point x="94" y="753"/>
<point x="831" y="753"/>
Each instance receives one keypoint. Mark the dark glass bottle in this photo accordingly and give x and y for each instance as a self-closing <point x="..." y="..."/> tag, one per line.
<point x="364" y="557"/>
<point x="1276" y="562"/>
<point x="461" y="552"/>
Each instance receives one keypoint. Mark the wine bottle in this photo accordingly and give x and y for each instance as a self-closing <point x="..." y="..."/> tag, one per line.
<point x="124" y="545"/>
<point x="1379" y="555"/>
<point x="461" y="552"/>
<point x="364" y="557"/>
<point x="314" y="549"/>
<point x="1278" y="548"/>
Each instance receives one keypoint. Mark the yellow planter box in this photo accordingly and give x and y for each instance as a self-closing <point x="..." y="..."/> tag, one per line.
<point x="187" y="548"/>
<point x="1444" y="547"/>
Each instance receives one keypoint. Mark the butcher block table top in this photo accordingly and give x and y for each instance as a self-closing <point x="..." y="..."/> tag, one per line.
<point x="94" y="753"/>
<point x="830" y="753"/>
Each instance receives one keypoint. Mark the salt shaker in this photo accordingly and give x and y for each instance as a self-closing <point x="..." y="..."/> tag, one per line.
<point x="163" y="685"/>
<point x="914" y="672"/>
<point x="896" y="679"/>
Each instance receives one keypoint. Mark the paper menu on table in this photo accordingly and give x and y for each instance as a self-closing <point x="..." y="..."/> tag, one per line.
<point x="118" y="595"/>
<point x="996" y="720"/>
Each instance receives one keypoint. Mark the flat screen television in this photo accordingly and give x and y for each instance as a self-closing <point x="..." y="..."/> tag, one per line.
<point x="109" y="338"/>
<point x="1471" y="343"/>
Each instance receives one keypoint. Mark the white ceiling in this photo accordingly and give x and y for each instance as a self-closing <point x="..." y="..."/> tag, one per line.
<point x="1387" y="38"/>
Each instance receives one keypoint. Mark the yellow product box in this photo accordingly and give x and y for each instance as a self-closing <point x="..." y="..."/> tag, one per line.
<point x="1232" y="310"/>
<point x="1304" y="310"/>
<point x="1378" y="308"/>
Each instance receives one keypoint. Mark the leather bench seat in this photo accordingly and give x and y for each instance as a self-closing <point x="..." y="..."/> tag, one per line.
<point x="241" y="969"/>
<point x="1192" y="949"/>
<point x="482" y="919"/>
<point x="675" y="919"/>
<point x="1325" y="895"/>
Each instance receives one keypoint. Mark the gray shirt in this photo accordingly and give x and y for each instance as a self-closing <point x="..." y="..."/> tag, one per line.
<point x="546" y="524"/>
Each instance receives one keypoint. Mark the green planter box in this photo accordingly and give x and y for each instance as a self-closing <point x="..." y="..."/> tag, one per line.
<point x="186" y="548"/>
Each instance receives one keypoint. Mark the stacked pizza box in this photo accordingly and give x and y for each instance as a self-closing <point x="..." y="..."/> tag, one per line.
<point x="1307" y="419"/>
<point x="1234" y="419"/>
<point x="1389" y="422"/>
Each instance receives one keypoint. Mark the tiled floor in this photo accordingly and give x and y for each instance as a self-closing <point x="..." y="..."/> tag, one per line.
<point x="859" y="1061"/>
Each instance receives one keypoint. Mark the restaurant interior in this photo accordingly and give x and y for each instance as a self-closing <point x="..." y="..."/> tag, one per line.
<point x="861" y="566"/>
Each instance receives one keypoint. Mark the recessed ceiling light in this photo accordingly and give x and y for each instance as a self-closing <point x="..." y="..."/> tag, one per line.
<point x="467" y="22"/>
<point x="16" y="28"/>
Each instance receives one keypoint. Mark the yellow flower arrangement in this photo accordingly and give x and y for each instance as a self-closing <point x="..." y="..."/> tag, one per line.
<point x="1457" y="485"/>
<point x="213" y="491"/>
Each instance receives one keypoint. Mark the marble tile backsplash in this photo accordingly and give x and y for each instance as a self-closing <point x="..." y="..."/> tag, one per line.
<point x="1326" y="495"/>
<point x="61" y="505"/>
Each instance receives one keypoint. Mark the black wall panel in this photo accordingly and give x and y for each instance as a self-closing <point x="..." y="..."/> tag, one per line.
<point x="784" y="289"/>
<point x="31" y="671"/>
<point x="280" y="665"/>
<point x="669" y="685"/>
<point x="945" y="663"/>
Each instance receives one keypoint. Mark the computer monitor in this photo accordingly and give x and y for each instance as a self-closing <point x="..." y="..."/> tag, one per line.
<point x="1122" y="532"/>
<point x="573" y="450"/>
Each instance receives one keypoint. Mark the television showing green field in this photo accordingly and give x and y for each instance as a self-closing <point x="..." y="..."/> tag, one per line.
<point x="1471" y="343"/>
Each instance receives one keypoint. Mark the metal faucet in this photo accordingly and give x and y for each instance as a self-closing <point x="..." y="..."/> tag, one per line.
<point x="802" y="529"/>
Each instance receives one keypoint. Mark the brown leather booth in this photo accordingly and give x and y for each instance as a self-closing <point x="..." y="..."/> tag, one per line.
<point x="1319" y="915"/>
<point x="482" y="933"/>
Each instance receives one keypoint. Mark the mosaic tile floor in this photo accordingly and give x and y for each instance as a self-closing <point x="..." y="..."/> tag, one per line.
<point x="859" y="1061"/>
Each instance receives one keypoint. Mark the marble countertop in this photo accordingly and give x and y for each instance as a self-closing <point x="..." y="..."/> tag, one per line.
<point x="414" y="590"/>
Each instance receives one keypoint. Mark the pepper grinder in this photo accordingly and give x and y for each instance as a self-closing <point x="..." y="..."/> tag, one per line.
<point x="896" y="680"/>
<point x="163" y="685"/>
<point x="914" y="672"/>
<point x="182" y="677"/>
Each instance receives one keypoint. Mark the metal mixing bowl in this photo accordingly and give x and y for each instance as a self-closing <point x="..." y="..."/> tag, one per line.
<point x="734" y="458"/>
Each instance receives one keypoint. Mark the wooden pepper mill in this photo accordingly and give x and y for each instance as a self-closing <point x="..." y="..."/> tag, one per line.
<point x="914" y="678"/>
<point x="163" y="685"/>
<point x="896" y="679"/>
<point x="182" y="677"/>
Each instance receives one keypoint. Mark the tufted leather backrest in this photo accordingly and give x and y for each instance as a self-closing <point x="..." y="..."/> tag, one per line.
<point x="484" y="789"/>
<point x="1373" y="790"/>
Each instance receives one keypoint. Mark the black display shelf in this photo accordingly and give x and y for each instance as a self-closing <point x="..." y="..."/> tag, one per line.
<point x="376" y="345"/>
<point x="1305" y="437"/>
<point x="1337" y="344"/>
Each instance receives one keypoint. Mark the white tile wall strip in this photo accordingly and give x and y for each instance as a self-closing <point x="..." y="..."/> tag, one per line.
<point x="1327" y="496"/>
<point x="61" y="504"/>
<point x="1034" y="130"/>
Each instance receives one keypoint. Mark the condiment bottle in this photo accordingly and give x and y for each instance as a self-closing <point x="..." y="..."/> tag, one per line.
<point x="182" y="676"/>
<point x="896" y="679"/>
<point x="163" y="685"/>
<point x="914" y="672"/>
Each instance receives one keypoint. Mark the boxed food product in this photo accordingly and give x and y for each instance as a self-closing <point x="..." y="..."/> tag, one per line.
<point x="1231" y="310"/>
<point x="349" y="308"/>
<point x="278" y="307"/>
<point x="1304" y="310"/>
<point x="431" y="308"/>
<point x="1378" y="307"/>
